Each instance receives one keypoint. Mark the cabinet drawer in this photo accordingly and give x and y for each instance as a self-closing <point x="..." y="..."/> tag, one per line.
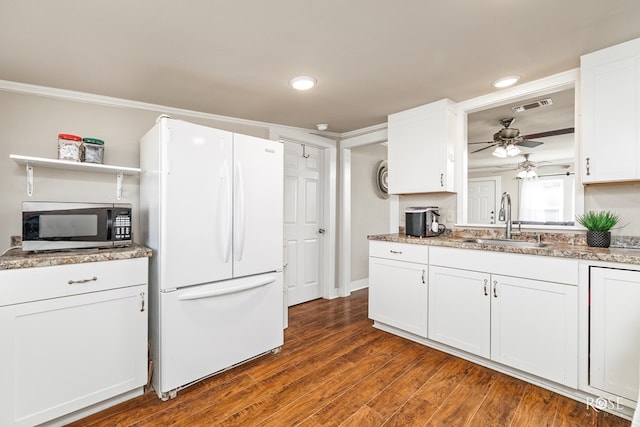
<point x="399" y="251"/>
<point x="549" y="269"/>
<point x="39" y="283"/>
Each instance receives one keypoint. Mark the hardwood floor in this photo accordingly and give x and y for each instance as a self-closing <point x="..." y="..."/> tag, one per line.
<point x="336" y="369"/>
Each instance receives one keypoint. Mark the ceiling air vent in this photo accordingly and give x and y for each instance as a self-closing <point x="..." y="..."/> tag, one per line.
<point x="531" y="105"/>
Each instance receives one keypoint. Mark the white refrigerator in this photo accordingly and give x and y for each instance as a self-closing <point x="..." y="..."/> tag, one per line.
<point x="211" y="206"/>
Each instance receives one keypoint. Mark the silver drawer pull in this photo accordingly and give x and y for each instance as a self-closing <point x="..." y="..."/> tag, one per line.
<point x="141" y="301"/>
<point x="396" y="252"/>
<point x="72" y="282"/>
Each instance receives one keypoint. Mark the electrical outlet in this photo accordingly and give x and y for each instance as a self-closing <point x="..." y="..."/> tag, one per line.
<point x="450" y="216"/>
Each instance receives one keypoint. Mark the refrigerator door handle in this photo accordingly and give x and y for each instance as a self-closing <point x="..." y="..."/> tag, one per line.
<point x="241" y="213"/>
<point x="225" y="291"/>
<point x="229" y="213"/>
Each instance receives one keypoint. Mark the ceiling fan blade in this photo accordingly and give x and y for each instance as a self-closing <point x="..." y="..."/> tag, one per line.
<point x="563" y="166"/>
<point x="528" y="143"/>
<point x="485" y="148"/>
<point x="549" y="133"/>
<point x="483" y="142"/>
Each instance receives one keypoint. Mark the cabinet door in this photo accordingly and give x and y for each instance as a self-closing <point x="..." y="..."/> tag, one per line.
<point x="534" y="327"/>
<point x="459" y="309"/>
<point x="615" y="331"/>
<point x="611" y="113"/>
<point x="420" y="146"/>
<point x="64" y="354"/>
<point x="398" y="294"/>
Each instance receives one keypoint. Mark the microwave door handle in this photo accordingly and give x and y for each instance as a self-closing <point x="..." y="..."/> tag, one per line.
<point x="109" y="224"/>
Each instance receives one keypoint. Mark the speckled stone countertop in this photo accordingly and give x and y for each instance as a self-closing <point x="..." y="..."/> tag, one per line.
<point x="565" y="245"/>
<point x="16" y="258"/>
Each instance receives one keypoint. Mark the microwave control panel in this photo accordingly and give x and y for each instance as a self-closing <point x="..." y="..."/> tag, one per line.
<point x="122" y="226"/>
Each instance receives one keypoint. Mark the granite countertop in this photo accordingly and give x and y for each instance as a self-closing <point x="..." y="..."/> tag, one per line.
<point x="558" y="245"/>
<point x="16" y="258"/>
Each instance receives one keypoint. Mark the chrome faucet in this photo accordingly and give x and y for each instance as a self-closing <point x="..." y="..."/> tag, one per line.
<point x="501" y="214"/>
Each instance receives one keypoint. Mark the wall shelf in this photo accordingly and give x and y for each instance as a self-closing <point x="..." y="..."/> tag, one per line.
<point x="29" y="162"/>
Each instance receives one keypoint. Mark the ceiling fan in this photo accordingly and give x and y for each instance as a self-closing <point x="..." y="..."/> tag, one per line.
<point x="509" y="137"/>
<point x="527" y="167"/>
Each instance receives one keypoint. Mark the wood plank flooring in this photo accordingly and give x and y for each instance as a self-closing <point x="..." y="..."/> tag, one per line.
<point x="335" y="369"/>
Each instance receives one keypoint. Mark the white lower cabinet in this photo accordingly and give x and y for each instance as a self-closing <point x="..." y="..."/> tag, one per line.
<point x="397" y="288"/>
<point x="534" y="327"/>
<point x="61" y="354"/>
<point x="525" y="324"/>
<point x="615" y="331"/>
<point x="459" y="309"/>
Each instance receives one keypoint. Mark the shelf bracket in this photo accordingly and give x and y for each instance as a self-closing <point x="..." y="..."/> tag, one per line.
<point x="29" y="169"/>
<point x="119" y="177"/>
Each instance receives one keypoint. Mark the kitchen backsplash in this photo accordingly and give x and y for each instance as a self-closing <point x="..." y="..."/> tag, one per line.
<point x="574" y="238"/>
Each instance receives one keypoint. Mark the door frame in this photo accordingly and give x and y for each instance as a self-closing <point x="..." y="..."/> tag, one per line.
<point x="328" y="146"/>
<point x="372" y="135"/>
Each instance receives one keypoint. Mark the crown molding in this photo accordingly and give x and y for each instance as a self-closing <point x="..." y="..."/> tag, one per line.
<point x="30" y="89"/>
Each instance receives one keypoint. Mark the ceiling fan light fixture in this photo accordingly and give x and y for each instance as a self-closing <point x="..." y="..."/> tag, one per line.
<point x="505" y="81"/>
<point x="303" y="82"/>
<point x="527" y="174"/>
<point x="512" y="150"/>
<point x="500" y="152"/>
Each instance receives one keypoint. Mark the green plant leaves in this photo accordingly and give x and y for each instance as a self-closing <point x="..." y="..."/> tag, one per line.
<point x="598" y="221"/>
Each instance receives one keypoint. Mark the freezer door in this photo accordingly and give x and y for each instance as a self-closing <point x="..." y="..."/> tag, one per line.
<point x="196" y="228"/>
<point x="258" y="202"/>
<point x="212" y="327"/>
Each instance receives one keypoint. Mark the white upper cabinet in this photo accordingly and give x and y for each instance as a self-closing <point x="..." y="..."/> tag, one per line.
<point x="421" y="148"/>
<point x="611" y="114"/>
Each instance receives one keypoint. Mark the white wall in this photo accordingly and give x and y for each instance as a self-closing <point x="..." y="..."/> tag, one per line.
<point x="446" y="203"/>
<point x="369" y="213"/>
<point x="623" y="199"/>
<point x="30" y="125"/>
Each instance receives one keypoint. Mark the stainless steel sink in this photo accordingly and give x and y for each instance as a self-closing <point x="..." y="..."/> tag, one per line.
<point x="506" y="242"/>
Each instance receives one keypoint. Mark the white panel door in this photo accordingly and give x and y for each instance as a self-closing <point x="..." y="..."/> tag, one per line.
<point x="61" y="355"/>
<point x="615" y="331"/>
<point x="482" y="201"/>
<point x="534" y="327"/>
<point x="398" y="294"/>
<point x="460" y="309"/>
<point x="611" y="113"/>
<point x="196" y="219"/>
<point x="258" y="199"/>
<point x="303" y="222"/>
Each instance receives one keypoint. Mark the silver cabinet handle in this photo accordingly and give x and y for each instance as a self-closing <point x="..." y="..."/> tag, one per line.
<point x="423" y="281"/>
<point x="395" y="252"/>
<point x="141" y="301"/>
<point x="588" y="167"/>
<point x="485" y="287"/>
<point x="495" y="291"/>
<point x="93" y="279"/>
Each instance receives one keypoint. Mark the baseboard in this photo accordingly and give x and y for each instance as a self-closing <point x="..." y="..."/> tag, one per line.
<point x="359" y="284"/>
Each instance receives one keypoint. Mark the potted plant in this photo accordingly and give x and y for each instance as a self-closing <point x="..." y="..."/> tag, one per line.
<point x="598" y="225"/>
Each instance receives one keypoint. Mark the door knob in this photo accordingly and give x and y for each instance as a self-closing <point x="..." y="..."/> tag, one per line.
<point x="321" y="230"/>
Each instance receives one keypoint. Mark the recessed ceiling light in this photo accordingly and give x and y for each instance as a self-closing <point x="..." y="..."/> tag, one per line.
<point x="505" y="81"/>
<point x="303" y="82"/>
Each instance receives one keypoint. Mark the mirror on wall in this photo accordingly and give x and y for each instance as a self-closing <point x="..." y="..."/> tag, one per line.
<point x="526" y="148"/>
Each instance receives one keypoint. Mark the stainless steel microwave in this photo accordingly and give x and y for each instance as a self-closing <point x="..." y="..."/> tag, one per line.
<point x="68" y="225"/>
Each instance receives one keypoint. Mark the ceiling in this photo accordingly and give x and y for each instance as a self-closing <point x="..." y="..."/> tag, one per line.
<point x="235" y="58"/>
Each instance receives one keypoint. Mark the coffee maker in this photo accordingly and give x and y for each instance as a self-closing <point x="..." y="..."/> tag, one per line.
<point x="422" y="221"/>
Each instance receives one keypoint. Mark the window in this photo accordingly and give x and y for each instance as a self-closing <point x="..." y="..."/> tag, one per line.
<point x="546" y="200"/>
